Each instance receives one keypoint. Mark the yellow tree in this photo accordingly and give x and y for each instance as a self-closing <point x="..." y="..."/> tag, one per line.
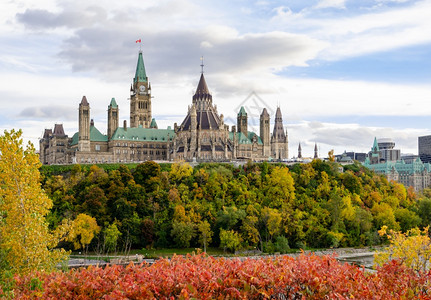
<point x="205" y="233"/>
<point x="83" y="230"/>
<point x="413" y="248"/>
<point x="24" y="235"/>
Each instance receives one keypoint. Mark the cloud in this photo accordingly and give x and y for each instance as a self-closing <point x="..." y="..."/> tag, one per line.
<point x="331" y="4"/>
<point x="363" y="31"/>
<point x="55" y="112"/>
<point x="105" y="51"/>
<point x="40" y="18"/>
<point x="347" y="136"/>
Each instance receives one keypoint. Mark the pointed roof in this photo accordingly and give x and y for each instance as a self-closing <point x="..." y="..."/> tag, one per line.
<point x="58" y="130"/>
<point x="299" y="147"/>
<point x="278" y="113"/>
<point x="315" y="147"/>
<point x="375" y="145"/>
<point x="153" y="123"/>
<point x="140" y="74"/>
<point x="207" y="117"/>
<point x="242" y="112"/>
<point x="278" y="132"/>
<point x="264" y="113"/>
<point x="202" y="89"/>
<point x="113" y="103"/>
<point x="47" y="133"/>
<point x="84" y="101"/>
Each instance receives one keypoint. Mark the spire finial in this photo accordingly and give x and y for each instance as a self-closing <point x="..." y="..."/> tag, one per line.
<point x="202" y="64"/>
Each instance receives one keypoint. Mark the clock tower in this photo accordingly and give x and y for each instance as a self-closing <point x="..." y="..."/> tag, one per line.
<point x="140" y="97"/>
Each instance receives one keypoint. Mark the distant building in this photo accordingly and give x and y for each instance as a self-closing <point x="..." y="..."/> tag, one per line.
<point x="424" y="148"/>
<point x="353" y="156"/>
<point x="202" y="136"/>
<point x="387" y="151"/>
<point x="414" y="173"/>
<point x="409" y="158"/>
<point x="383" y="150"/>
<point x="345" y="159"/>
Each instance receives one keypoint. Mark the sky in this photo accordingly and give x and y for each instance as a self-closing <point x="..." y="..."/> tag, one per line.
<point x="341" y="71"/>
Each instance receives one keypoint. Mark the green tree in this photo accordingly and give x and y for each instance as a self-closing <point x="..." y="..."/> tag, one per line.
<point x="146" y="171"/>
<point x="25" y="240"/>
<point x="182" y="233"/>
<point x="424" y="210"/>
<point x="229" y="240"/>
<point x="111" y="234"/>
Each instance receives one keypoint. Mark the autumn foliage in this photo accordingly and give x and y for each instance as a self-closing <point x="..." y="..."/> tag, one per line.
<point x="203" y="277"/>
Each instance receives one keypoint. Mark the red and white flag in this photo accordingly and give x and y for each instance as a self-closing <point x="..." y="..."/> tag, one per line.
<point x="138" y="41"/>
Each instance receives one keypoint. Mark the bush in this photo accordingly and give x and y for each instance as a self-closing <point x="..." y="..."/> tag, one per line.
<point x="202" y="277"/>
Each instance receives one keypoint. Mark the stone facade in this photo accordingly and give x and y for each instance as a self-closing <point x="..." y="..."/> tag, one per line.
<point x="202" y="136"/>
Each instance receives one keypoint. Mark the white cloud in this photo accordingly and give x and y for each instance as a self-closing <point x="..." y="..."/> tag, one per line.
<point x="361" y="34"/>
<point x="331" y="4"/>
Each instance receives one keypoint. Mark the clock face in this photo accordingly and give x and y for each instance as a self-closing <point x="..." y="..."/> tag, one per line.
<point x="142" y="88"/>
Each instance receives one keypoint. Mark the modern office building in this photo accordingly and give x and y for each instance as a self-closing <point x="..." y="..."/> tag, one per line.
<point x="424" y="148"/>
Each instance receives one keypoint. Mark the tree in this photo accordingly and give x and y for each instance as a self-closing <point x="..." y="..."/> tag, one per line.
<point x="111" y="237"/>
<point x="280" y="190"/>
<point x="229" y="240"/>
<point x="205" y="233"/>
<point x="331" y="156"/>
<point x="83" y="230"/>
<point x="413" y="248"/>
<point x="182" y="233"/>
<point x="25" y="239"/>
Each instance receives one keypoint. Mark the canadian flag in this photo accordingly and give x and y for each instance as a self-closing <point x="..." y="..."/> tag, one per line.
<point x="138" y="41"/>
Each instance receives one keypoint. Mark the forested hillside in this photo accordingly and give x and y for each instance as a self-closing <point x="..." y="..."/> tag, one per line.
<point x="264" y="206"/>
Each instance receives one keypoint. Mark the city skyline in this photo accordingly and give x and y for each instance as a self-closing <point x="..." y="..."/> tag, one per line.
<point x="342" y="72"/>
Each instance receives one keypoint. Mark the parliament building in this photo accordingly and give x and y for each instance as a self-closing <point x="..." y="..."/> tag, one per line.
<point x="202" y="135"/>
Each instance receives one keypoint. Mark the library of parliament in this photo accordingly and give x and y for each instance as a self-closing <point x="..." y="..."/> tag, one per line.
<point x="202" y="135"/>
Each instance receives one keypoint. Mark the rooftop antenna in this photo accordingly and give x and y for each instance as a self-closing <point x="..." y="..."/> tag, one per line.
<point x="202" y="64"/>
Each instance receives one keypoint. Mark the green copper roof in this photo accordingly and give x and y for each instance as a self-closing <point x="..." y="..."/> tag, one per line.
<point x="143" y="134"/>
<point x="113" y="103"/>
<point x="375" y="145"/>
<point x="242" y="112"/>
<point x="153" y="123"/>
<point x="95" y="136"/>
<point x="400" y="166"/>
<point x="242" y="139"/>
<point x="140" y="75"/>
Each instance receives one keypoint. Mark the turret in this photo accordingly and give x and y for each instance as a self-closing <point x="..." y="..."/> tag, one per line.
<point x="84" y="126"/>
<point x="265" y="132"/>
<point x="242" y="121"/>
<point x="113" y="118"/>
<point x="279" y="141"/>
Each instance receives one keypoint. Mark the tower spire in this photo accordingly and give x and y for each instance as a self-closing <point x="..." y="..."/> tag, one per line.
<point x="202" y="64"/>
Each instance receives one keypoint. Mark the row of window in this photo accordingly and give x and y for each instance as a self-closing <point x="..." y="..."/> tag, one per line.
<point x="139" y="145"/>
<point x="145" y="152"/>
